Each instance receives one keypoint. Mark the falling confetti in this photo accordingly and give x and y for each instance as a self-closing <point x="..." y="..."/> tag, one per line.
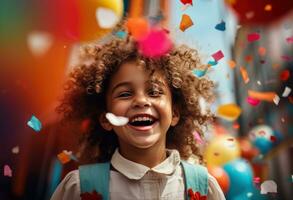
<point x="256" y="179"/>
<point x="7" y="171"/>
<point x="286" y="92"/>
<point x="244" y="75"/>
<point x="64" y="157"/>
<point x="252" y="101"/>
<point x="268" y="186"/>
<point x="248" y="58"/>
<point x="218" y="55"/>
<point x="39" y="42"/>
<point x="157" y="43"/>
<point x="185" y="23"/>
<point x="221" y="26"/>
<point x="263" y="96"/>
<point x="35" y="123"/>
<point x="212" y="63"/>
<point x="138" y="27"/>
<point x="286" y="58"/>
<point x="253" y="37"/>
<point x="229" y="111"/>
<point x="232" y="64"/>
<point x="106" y="18"/>
<point x="186" y="2"/>
<point x="276" y="99"/>
<point x="284" y="76"/>
<point x="262" y="51"/>
<point x="268" y="7"/>
<point x="117" y="120"/>
<point x="199" y="73"/>
<point x="289" y="40"/>
<point x="15" y="150"/>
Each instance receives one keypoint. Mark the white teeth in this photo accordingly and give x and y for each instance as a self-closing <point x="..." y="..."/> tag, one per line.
<point x="141" y="119"/>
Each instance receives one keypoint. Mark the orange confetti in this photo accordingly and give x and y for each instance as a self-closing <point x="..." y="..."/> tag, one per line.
<point x="137" y="27"/>
<point x="236" y="125"/>
<point x="276" y="66"/>
<point x="264" y="96"/>
<point x="244" y="75"/>
<point x="186" y="22"/>
<point x="232" y="64"/>
<point x="63" y="157"/>
<point x="262" y="51"/>
<point x="268" y="7"/>
<point x="229" y="111"/>
<point x="248" y="58"/>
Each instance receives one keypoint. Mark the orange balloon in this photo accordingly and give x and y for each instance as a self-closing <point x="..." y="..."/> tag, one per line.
<point x="221" y="176"/>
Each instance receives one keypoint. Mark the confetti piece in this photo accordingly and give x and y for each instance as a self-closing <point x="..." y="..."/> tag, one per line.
<point x="289" y="39"/>
<point x="273" y="138"/>
<point x="249" y="15"/>
<point x="185" y="23"/>
<point x="248" y="58"/>
<point x="221" y="26"/>
<point x="253" y="37"/>
<point x="232" y="64"/>
<point x="244" y="75"/>
<point x="286" y="58"/>
<point x="106" y="17"/>
<point x="64" y="157"/>
<point x="236" y="125"/>
<point x="186" y="2"/>
<point x="263" y="96"/>
<point x="276" y="99"/>
<point x="268" y="186"/>
<point x="15" y="150"/>
<point x="286" y="92"/>
<point x="35" y="124"/>
<point x="7" y="171"/>
<point x="249" y="194"/>
<point x="258" y="82"/>
<point x="197" y="137"/>
<point x="199" y="73"/>
<point x="256" y="179"/>
<point x="262" y="51"/>
<point x="39" y="42"/>
<point x="138" y="27"/>
<point x="229" y="111"/>
<point x="268" y="7"/>
<point x="212" y="63"/>
<point x="156" y="44"/>
<point x="284" y="76"/>
<point x="85" y="124"/>
<point x="117" y="120"/>
<point x="218" y="55"/>
<point x="121" y="34"/>
<point x="252" y="101"/>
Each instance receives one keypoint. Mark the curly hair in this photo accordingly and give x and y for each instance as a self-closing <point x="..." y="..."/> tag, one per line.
<point x="84" y="96"/>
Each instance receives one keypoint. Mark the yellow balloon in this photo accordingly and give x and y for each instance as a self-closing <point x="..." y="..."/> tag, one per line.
<point x="221" y="149"/>
<point x="98" y="17"/>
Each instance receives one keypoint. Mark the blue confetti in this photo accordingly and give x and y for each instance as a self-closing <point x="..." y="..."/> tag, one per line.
<point x="199" y="73"/>
<point x="221" y="26"/>
<point x="212" y="63"/>
<point x="35" y="124"/>
<point x="121" y="34"/>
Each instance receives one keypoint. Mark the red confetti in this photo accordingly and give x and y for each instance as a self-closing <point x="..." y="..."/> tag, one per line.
<point x="256" y="180"/>
<point x="186" y="2"/>
<point x="91" y="196"/>
<point x="284" y="76"/>
<point x="218" y="55"/>
<point x="196" y="195"/>
<point x="252" y="101"/>
<point x="248" y="58"/>
<point x="289" y="39"/>
<point x="273" y="138"/>
<point x="253" y="37"/>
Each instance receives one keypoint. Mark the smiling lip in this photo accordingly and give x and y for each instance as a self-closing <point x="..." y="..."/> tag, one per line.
<point x="142" y="128"/>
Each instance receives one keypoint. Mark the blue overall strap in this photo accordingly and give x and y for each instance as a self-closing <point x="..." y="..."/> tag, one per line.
<point x="196" y="177"/>
<point x="95" y="177"/>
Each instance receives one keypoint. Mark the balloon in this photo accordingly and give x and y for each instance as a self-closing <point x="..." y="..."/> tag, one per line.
<point x="221" y="176"/>
<point x="263" y="138"/>
<point x="260" y="11"/>
<point x="221" y="149"/>
<point x="241" y="177"/>
<point x="248" y="151"/>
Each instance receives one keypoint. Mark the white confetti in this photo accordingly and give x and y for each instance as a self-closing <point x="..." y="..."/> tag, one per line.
<point x="286" y="92"/>
<point x="39" y="42"/>
<point x="276" y="99"/>
<point x="15" y="150"/>
<point x="268" y="187"/>
<point x="106" y="18"/>
<point x="258" y="82"/>
<point x="117" y="120"/>
<point x="249" y="194"/>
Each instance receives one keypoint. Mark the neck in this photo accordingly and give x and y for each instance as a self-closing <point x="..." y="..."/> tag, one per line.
<point x="149" y="157"/>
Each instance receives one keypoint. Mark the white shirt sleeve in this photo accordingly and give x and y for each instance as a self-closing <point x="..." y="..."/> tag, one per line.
<point x="214" y="192"/>
<point x="69" y="188"/>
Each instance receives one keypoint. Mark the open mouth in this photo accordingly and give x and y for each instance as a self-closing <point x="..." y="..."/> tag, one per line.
<point x="142" y="120"/>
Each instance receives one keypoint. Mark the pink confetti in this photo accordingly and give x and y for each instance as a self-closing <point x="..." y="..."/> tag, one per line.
<point x="252" y="101"/>
<point x="253" y="37"/>
<point x="7" y="171"/>
<point x="289" y="39"/>
<point x="218" y="55"/>
<point x="286" y="58"/>
<point x="197" y="137"/>
<point x="156" y="44"/>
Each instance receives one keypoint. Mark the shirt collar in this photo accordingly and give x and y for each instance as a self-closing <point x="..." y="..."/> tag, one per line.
<point x="136" y="171"/>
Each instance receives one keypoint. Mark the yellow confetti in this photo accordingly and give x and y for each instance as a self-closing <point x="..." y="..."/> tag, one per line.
<point x="229" y="111"/>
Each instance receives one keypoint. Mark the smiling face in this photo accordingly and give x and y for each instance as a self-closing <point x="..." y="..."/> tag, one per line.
<point x="146" y="100"/>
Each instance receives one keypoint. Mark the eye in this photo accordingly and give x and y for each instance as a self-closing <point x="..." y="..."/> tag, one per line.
<point x="154" y="92"/>
<point x="124" y="94"/>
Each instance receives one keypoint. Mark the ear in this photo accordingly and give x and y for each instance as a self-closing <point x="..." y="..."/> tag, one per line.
<point x="175" y="115"/>
<point x="104" y="122"/>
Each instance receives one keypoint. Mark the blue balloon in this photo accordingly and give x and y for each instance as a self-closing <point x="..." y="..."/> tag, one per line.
<point x="263" y="144"/>
<point x="241" y="178"/>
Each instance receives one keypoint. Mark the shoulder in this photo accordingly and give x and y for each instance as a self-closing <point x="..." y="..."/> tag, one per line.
<point x="69" y="188"/>
<point x="214" y="190"/>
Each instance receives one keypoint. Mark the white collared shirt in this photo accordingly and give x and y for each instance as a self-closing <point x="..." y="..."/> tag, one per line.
<point x="133" y="181"/>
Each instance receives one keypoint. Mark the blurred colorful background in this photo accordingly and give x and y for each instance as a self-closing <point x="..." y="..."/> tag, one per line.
<point x="248" y="46"/>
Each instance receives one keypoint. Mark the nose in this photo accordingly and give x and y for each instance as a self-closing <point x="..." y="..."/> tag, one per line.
<point x="141" y="100"/>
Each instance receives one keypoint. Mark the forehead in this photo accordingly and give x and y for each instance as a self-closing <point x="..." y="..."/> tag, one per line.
<point x="132" y="71"/>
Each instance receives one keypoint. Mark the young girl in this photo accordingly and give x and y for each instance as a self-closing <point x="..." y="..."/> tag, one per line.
<point x="141" y="114"/>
